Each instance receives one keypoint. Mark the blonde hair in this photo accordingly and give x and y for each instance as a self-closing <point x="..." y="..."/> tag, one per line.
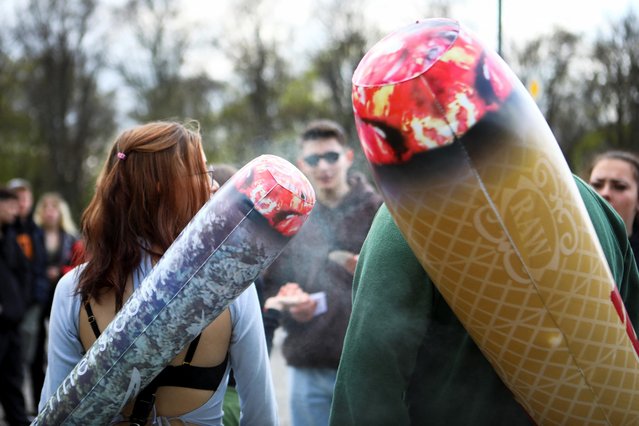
<point x="66" y="220"/>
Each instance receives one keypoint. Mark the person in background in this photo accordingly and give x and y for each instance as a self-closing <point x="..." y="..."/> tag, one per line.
<point x="272" y="308"/>
<point x="408" y="360"/>
<point x="63" y="248"/>
<point x="320" y="261"/>
<point x="14" y="273"/>
<point x="223" y="172"/>
<point x="155" y="179"/>
<point x="31" y="240"/>
<point x="288" y="296"/>
<point x="615" y="176"/>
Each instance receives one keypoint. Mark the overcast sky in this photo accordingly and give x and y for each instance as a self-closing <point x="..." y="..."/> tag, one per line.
<point x="521" y="20"/>
<point x="296" y="22"/>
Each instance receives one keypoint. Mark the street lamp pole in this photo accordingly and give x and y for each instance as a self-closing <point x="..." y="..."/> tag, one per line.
<point x="499" y="33"/>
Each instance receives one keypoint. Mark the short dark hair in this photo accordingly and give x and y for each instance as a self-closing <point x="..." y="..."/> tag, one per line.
<point x="324" y="129"/>
<point x="223" y="172"/>
<point x="7" y="194"/>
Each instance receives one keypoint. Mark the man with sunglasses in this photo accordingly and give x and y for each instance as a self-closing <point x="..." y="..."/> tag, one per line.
<point x="321" y="260"/>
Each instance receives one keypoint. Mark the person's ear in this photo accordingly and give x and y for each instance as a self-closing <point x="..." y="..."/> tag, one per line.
<point x="349" y="155"/>
<point x="300" y="163"/>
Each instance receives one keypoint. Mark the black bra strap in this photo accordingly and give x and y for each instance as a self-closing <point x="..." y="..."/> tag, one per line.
<point x="92" y="322"/>
<point x="146" y="398"/>
<point x="94" y="326"/>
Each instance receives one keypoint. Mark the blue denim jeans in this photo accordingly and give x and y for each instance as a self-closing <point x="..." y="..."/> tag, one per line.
<point x="311" y="395"/>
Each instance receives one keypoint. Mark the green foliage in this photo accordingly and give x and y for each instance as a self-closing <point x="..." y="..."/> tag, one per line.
<point x="156" y="77"/>
<point x="55" y="82"/>
<point x="589" y="93"/>
<point x="585" y="149"/>
<point x="15" y="124"/>
<point x="57" y="118"/>
<point x="615" y="84"/>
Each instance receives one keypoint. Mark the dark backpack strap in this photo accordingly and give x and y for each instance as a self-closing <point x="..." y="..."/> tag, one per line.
<point x="92" y="322"/>
<point x="143" y="405"/>
<point x="191" y="350"/>
<point x="146" y="398"/>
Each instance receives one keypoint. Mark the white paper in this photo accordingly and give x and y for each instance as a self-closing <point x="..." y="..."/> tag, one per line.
<point x="320" y="298"/>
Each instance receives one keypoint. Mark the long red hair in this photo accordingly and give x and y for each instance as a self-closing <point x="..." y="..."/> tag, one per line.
<point x="153" y="182"/>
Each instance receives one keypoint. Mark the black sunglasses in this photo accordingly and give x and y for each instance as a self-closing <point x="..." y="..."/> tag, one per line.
<point x="330" y="157"/>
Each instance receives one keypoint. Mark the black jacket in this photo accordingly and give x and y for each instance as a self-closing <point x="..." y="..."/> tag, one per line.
<point x="15" y="281"/>
<point x="318" y="343"/>
<point x="36" y="258"/>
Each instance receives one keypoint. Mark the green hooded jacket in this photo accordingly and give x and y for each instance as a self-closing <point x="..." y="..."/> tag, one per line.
<point x="408" y="361"/>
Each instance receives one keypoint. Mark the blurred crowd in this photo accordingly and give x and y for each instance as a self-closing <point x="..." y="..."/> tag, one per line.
<point x="38" y="245"/>
<point x="308" y="289"/>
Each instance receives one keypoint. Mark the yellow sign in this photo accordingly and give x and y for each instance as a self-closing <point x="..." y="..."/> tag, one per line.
<point x="533" y="88"/>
